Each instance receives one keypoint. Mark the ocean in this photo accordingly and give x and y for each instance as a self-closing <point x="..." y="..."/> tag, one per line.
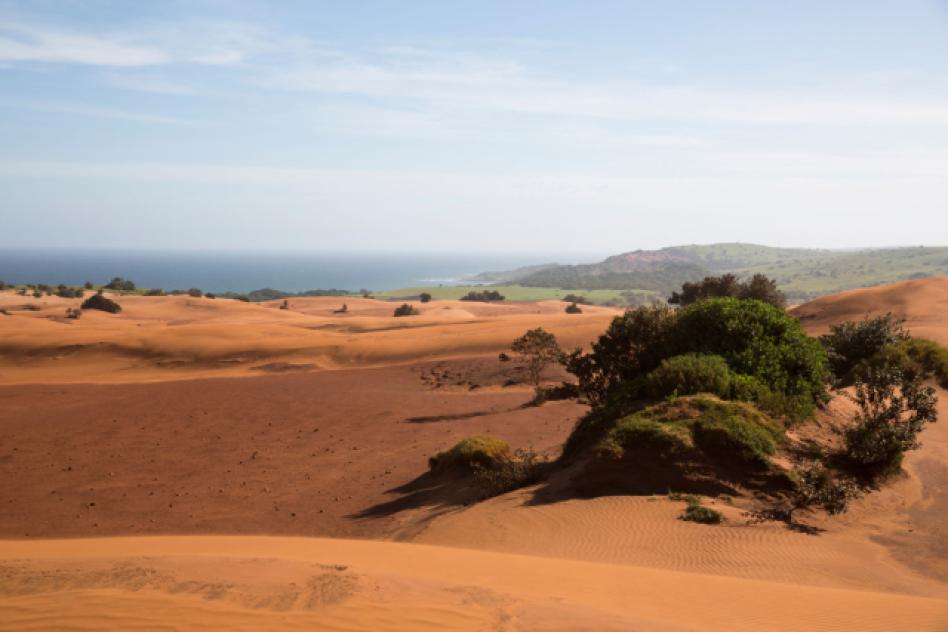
<point x="243" y="272"/>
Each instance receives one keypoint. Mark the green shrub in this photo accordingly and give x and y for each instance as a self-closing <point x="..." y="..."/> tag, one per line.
<point x="851" y="343"/>
<point x="155" y="291"/>
<point x="573" y="308"/>
<point x="689" y="374"/>
<point x="637" y="434"/>
<point x="892" y="410"/>
<point x="424" y="297"/>
<point x="485" y="297"/>
<point x="702" y="515"/>
<point x="759" y="287"/>
<point x="526" y="467"/>
<point x="730" y="432"/>
<point x="406" y="309"/>
<point x="913" y="357"/>
<point x="100" y="302"/>
<point x="471" y="452"/>
<point x="195" y="292"/>
<point x="733" y="438"/>
<point x="633" y="345"/>
<point x="755" y="339"/>
<point x="120" y="285"/>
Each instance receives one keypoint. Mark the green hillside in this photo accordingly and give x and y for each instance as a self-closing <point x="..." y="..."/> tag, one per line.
<point x="801" y="273"/>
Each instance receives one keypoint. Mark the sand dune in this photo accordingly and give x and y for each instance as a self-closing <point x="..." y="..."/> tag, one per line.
<point x="320" y="424"/>
<point x="923" y="303"/>
<point x="280" y="583"/>
<point x="180" y="337"/>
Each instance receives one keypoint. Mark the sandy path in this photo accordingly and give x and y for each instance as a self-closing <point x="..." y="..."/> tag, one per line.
<point x="279" y="583"/>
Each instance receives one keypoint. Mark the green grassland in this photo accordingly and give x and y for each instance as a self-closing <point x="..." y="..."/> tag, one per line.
<point x="803" y="279"/>
<point x="513" y="293"/>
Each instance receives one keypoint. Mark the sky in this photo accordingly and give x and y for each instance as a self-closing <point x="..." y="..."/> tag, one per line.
<point x="447" y="127"/>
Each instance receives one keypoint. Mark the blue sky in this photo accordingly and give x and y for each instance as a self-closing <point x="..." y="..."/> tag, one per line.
<point x="546" y="127"/>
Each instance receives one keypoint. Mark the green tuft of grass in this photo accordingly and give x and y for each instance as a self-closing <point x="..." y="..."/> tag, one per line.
<point x="477" y="451"/>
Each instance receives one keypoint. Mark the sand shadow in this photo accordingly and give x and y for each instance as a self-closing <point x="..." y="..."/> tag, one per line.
<point x="439" y="491"/>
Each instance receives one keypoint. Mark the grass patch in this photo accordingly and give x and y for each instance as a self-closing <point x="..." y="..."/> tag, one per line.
<point x="639" y="434"/>
<point x="477" y="451"/>
<point x="695" y="511"/>
<point x="728" y="433"/>
<point x="510" y="292"/>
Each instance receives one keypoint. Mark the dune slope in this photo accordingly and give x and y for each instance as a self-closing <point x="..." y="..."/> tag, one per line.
<point x="278" y="583"/>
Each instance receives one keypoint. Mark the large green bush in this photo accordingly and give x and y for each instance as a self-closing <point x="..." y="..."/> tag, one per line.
<point x="755" y="339"/>
<point x="689" y="374"/>
<point x="782" y="366"/>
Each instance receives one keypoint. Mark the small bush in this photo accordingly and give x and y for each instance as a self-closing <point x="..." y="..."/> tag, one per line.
<point x="100" y="302"/>
<point x="702" y="515"/>
<point x="88" y="285"/>
<point x="471" y="452"/>
<point x="575" y="298"/>
<point x="73" y="313"/>
<point x="485" y="297"/>
<point x="64" y="291"/>
<point x="406" y="309"/>
<point x="503" y="357"/>
<point x="155" y="291"/>
<point x="914" y="357"/>
<point x="195" y="292"/>
<point x="525" y="468"/>
<point x="120" y="285"/>
<point x="851" y="343"/>
<point x="537" y="348"/>
<point x="424" y="297"/>
<point x="689" y="374"/>
<point x="342" y="310"/>
<point x="573" y="308"/>
<point x="893" y="409"/>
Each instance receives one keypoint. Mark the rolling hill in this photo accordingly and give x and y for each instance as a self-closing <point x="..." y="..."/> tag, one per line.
<point x="801" y="273"/>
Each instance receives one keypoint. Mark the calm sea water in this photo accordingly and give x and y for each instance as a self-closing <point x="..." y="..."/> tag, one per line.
<point x="242" y="272"/>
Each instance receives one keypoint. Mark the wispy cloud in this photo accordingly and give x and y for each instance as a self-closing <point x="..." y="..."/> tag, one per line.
<point x="94" y="111"/>
<point x="31" y="43"/>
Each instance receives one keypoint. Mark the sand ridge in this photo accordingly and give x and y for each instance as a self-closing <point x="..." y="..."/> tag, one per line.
<point x="288" y="583"/>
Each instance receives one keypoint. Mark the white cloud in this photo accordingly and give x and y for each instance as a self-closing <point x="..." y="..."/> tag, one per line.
<point x="81" y="109"/>
<point x="29" y="43"/>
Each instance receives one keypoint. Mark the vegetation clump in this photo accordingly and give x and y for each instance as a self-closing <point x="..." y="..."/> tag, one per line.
<point x="64" y="291"/>
<point x="892" y="410"/>
<point x="851" y="343"/>
<point x="119" y="284"/>
<point x="406" y="309"/>
<point x="537" y="349"/>
<point x="576" y="298"/>
<point x="485" y="296"/>
<point x="573" y="308"/>
<point x="696" y="512"/>
<point x="472" y="452"/>
<point x="695" y="429"/>
<point x="424" y="297"/>
<point x="155" y="291"/>
<point x="103" y="303"/>
<point x="195" y="292"/>
<point x="759" y="288"/>
<point x="783" y="368"/>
